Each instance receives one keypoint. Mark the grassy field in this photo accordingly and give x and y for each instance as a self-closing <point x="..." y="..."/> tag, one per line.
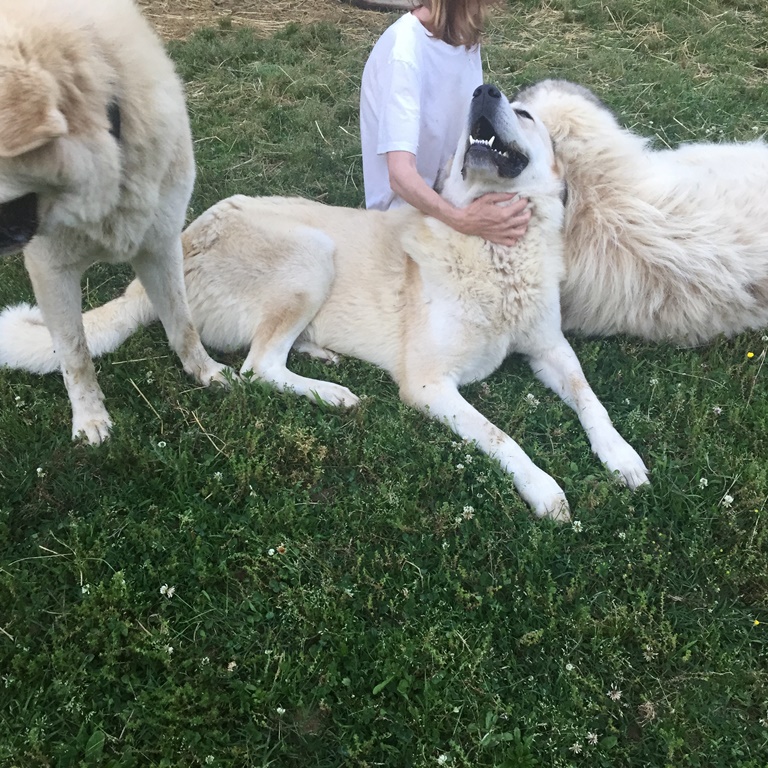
<point x="248" y="579"/>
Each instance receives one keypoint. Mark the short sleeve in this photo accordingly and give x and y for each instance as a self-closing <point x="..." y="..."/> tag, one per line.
<point x="400" y="110"/>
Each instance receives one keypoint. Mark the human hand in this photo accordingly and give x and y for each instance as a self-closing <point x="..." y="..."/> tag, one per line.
<point x="500" y="218"/>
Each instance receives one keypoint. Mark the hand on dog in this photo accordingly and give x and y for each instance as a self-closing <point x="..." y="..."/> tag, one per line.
<point x="501" y="218"/>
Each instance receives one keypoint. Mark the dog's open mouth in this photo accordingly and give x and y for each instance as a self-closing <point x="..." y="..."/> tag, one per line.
<point x="484" y="144"/>
<point x="18" y="223"/>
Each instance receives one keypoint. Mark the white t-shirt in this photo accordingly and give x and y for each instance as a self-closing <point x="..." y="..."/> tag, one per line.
<point x="414" y="96"/>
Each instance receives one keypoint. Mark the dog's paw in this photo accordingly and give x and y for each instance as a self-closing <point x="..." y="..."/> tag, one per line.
<point x="545" y="497"/>
<point x="334" y="395"/>
<point x="93" y="430"/>
<point x="320" y="353"/>
<point x="626" y="464"/>
<point x="218" y="374"/>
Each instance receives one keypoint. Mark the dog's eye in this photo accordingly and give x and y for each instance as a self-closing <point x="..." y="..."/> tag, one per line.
<point x="523" y="113"/>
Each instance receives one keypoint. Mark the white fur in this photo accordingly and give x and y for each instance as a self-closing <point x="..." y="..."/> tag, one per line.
<point x="668" y="245"/>
<point x="434" y="308"/>
<point x="100" y="199"/>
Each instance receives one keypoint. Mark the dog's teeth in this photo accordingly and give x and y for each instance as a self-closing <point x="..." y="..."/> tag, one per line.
<point x="490" y="143"/>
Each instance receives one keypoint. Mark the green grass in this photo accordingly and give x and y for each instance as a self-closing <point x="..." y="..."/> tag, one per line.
<point x="336" y="603"/>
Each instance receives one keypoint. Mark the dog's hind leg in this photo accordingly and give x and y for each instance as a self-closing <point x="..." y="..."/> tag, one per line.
<point x="281" y="324"/>
<point x="441" y="400"/>
<point x="160" y="271"/>
<point x="290" y="293"/>
<point x="559" y="368"/>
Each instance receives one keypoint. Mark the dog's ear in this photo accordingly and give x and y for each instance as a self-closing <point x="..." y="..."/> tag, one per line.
<point x="29" y="117"/>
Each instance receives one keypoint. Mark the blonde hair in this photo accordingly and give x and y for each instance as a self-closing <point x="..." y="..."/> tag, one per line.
<point x="457" y="22"/>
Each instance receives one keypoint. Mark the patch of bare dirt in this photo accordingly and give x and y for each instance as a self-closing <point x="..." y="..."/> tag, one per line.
<point x="176" y="19"/>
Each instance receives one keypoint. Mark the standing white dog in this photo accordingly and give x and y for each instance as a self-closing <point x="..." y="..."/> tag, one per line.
<point x="96" y="164"/>
<point x="435" y="308"/>
<point x="668" y="245"/>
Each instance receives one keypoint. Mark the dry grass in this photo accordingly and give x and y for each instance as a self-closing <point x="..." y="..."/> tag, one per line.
<point x="176" y="19"/>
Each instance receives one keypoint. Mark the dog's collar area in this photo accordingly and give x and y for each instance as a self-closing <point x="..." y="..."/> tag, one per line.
<point x="113" y="115"/>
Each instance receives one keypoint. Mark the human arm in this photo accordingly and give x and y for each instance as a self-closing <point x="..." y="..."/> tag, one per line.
<point x="485" y="217"/>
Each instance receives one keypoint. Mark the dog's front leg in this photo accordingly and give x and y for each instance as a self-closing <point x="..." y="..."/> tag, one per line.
<point x="559" y="368"/>
<point x="161" y="273"/>
<point x="442" y="400"/>
<point x="57" y="290"/>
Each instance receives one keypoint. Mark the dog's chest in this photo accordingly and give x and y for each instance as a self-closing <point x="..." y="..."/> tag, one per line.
<point x="500" y="291"/>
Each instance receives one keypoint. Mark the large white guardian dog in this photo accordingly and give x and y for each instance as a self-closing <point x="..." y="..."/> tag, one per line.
<point x="669" y="244"/>
<point x="96" y="164"/>
<point x="434" y="308"/>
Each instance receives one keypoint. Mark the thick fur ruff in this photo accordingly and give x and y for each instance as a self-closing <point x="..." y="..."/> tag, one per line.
<point x="665" y="244"/>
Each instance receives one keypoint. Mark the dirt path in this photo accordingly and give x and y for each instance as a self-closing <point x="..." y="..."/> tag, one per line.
<point x="179" y="18"/>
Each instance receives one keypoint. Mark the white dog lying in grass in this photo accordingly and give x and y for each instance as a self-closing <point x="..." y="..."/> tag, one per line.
<point x="434" y="308"/>
<point x="668" y="245"/>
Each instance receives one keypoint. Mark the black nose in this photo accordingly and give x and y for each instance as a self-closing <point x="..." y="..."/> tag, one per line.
<point x="486" y="90"/>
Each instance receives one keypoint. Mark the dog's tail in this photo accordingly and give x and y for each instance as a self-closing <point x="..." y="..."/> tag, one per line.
<point x="25" y="342"/>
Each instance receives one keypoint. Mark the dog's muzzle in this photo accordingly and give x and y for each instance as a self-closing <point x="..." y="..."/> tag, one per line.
<point x="18" y="223"/>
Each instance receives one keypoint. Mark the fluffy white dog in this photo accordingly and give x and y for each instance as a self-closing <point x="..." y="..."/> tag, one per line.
<point x="434" y="308"/>
<point x="669" y="244"/>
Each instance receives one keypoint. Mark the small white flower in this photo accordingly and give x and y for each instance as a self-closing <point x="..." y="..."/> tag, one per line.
<point x="614" y="694"/>
<point x="468" y="459"/>
<point x="717" y="410"/>
<point x="592" y="738"/>
<point x="577" y="526"/>
<point x="654" y="382"/>
<point x="170" y="592"/>
<point x="271" y="551"/>
<point x="443" y="759"/>
<point x="85" y="589"/>
<point x="622" y="535"/>
<point x="348" y="592"/>
<point x="231" y="666"/>
<point x="764" y="721"/>
<point x="468" y="513"/>
<point x="533" y="401"/>
<point x="726" y="501"/>
<point x="40" y="472"/>
<point x="576" y="748"/>
<point x="569" y="667"/>
<point x="209" y="759"/>
<point x="459" y="466"/>
<point x="280" y="711"/>
<point x="161" y="444"/>
<point x="217" y="476"/>
<point x="169" y="649"/>
<point x="703" y="482"/>
<point x="626" y="401"/>
<point x="205" y="661"/>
